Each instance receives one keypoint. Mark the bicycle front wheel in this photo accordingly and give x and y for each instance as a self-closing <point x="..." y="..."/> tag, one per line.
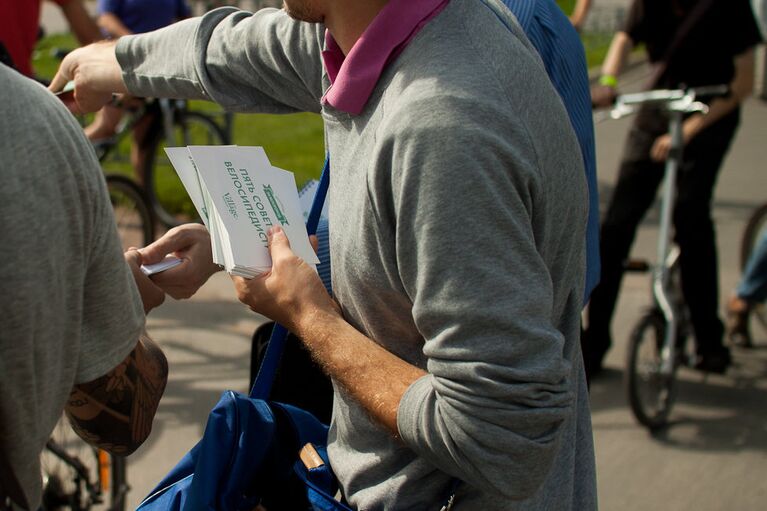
<point x="132" y="215"/>
<point x="650" y="393"/>
<point x="79" y="477"/>
<point x="166" y="194"/>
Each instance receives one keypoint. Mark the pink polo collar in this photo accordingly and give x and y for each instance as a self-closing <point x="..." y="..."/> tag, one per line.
<point x="354" y="76"/>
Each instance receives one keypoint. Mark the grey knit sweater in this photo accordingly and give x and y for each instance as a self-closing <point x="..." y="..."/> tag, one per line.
<point x="457" y="218"/>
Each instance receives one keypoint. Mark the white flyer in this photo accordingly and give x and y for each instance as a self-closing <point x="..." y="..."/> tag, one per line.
<point x="249" y="196"/>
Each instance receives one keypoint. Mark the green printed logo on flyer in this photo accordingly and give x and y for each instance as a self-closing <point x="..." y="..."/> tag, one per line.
<point x="274" y="201"/>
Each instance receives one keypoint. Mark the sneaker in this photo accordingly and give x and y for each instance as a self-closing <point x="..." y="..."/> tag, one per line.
<point x="737" y="322"/>
<point x="713" y="362"/>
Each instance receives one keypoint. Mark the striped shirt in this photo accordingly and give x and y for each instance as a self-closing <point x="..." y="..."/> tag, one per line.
<point x="562" y="53"/>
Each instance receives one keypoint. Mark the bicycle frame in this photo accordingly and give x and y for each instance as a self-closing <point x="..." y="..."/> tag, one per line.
<point x="165" y="109"/>
<point x="677" y="103"/>
<point x="661" y="290"/>
<point x="94" y="489"/>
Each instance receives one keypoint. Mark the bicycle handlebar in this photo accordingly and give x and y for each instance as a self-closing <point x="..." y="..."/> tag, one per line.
<point x="711" y="91"/>
<point x="673" y="100"/>
<point x="670" y="95"/>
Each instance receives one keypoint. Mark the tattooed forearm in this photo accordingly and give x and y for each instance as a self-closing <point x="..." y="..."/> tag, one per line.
<point x="115" y="412"/>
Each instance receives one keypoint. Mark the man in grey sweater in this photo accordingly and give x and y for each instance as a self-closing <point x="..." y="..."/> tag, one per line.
<point x="457" y="212"/>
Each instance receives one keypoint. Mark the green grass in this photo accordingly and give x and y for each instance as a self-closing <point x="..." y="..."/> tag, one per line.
<point x="596" y="46"/>
<point x="44" y="61"/>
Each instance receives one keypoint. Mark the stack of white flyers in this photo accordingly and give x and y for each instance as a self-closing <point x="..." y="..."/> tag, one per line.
<point x="239" y="196"/>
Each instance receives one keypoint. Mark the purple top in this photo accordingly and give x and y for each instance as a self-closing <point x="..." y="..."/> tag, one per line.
<point x="354" y="76"/>
<point x="145" y="15"/>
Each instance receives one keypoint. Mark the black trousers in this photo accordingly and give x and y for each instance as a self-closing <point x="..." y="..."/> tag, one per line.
<point x="635" y="191"/>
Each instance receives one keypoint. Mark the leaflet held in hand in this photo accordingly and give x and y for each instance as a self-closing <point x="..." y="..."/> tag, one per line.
<point x="240" y="196"/>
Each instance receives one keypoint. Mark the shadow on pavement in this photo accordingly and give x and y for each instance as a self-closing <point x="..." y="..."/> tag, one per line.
<point x="711" y="413"/>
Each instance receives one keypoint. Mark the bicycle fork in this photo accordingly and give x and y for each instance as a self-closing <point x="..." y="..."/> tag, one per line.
<point x="661" y="282"/>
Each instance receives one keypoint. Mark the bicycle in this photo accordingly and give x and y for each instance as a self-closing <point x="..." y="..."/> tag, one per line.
<point x="133" y="217"/>
<point x="134" y="220"/>
<point x="168" y="123"/>
<point x="756" y="226"/>
<point x="79" y="477"/>
<point x="661" y="340"/>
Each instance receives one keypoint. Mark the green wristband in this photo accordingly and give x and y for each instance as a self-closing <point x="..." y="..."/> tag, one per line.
<point x="609" y="80"/>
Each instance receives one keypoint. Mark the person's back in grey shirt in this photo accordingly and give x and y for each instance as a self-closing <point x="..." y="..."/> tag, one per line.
<point x="70" y="308"/>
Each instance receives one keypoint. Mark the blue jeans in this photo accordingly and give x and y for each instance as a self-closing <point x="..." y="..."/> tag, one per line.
<point x="753" y="283"/>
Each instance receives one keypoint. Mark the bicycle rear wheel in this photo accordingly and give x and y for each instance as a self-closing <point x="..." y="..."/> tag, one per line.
<point x="650" y="393"/>
<point x="165" y="192"/>
<point x="755" y="229"/>
<point x="79" y="477"/>
<point x="132" y="215"/>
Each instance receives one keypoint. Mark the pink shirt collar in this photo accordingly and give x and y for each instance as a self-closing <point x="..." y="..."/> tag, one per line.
<point x="354" y="76"/>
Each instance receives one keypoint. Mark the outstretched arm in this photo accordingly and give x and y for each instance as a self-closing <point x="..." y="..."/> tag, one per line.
<point x="278" y="70"/>
<point x="96" y="73"/>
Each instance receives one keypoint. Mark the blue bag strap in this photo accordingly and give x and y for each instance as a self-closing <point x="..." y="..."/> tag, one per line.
<point x="262" y="387"/>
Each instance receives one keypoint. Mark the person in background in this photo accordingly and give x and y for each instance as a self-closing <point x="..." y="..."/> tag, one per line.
<point x="20" y="28"/>
<point x="117" y="18"/>
<point x="751" y="291"/>
<point x="684" y="55"/>
<point x="72" y="329"/>
<point x="457" y="211"/>
<point x="579" y="13"/>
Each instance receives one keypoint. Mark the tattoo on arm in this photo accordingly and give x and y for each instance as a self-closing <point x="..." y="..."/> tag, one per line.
<point x="115" y="412"/>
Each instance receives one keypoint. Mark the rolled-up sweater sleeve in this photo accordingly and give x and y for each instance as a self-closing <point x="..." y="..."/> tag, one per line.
<point x="257" y="62"/>
<point x="492" y="408"/>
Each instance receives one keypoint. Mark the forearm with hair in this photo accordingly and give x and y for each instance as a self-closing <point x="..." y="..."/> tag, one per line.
<point x="344" y="353"/>
<point x="115" y="412"/>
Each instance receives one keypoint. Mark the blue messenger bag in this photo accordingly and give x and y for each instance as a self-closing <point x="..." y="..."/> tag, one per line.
<point x="250" y="449"/>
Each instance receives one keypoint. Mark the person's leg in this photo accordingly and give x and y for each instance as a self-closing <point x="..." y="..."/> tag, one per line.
<point x="635" y="190"/>
<point x="696" y="237"/>
<point x="751" y="290"/>
<point x="139" y="148"/>
<point x="104" y="123"/>
<point x="753" y="283"/>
